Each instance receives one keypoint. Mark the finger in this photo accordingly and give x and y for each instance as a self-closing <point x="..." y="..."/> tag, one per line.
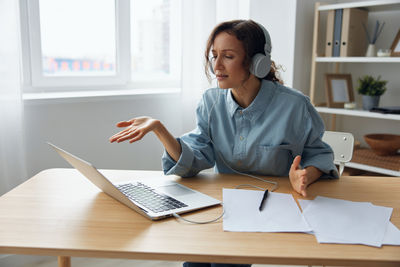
<point x="303" y="177"/>
<point x="124" y="123"/>
<point x="137" y="138"/>
<point x="304" y="193"/>
<point x="296" y="163"/>
<point x="127" y="136"/>
<point x="124" y="138"/>
<point x="114" y="137"/>
<point x="303" y="186"/>
<point x="122" y="132"/>
<point x="118" y="135"/>
<point x="303" y="174"/>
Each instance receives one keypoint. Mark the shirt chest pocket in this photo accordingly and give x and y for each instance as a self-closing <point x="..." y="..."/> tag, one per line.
<point x="274" y="160"/>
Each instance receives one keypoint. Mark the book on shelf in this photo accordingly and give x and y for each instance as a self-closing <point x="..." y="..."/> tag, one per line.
<point x="344" y="32"/>
<point x="329" y="33"/>
<point x="353" y="42"/>
<point x="337" y="32"/>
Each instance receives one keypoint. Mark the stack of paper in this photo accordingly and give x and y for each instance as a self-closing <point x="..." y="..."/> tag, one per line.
<point x="348" y="222"/>
<point x="330" y="220"/>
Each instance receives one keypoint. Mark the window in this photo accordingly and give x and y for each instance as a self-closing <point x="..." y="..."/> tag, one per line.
<point x="153" y="48"/>
<point x="98" y="43"/>
<point x="77" y="40"/>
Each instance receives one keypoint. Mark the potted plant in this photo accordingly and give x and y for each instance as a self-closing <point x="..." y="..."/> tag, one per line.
<point x="371" y="90"/>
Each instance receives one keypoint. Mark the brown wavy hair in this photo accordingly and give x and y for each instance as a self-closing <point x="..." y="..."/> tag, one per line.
<point x="253" y="40"/>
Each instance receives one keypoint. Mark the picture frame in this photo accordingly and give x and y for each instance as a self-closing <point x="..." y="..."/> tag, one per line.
<point x="396" y="46"/>
<point x="339" y="89"/>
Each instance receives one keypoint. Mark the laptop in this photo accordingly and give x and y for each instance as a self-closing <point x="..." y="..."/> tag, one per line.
<point x="154" y="200"/>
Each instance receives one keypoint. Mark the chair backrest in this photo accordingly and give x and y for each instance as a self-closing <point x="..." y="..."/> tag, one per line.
<point x="342" y="145"/>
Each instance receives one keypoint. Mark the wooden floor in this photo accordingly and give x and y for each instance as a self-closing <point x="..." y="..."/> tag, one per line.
<point x="45" y="261"/>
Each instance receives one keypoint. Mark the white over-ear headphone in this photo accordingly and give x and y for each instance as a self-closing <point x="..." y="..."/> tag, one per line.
<point x="260" y="63"/>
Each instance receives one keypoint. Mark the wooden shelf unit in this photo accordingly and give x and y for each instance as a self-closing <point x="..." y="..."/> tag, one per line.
<point x="366" y="159"/>
<point x="372" y="6"/>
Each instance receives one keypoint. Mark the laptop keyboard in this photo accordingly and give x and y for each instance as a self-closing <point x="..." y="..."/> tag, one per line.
<point x="150" y="199"/>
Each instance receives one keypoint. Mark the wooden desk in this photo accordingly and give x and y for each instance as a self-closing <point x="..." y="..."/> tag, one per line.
<point x="59" y="213"/>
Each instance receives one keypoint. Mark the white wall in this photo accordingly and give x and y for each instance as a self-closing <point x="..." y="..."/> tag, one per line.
<point x="279" y="18"/>
<point x="83" y="126"/>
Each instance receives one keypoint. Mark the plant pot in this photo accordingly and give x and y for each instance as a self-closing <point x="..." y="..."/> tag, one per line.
<point x="371" y="51"/>
<point x="369" y="102"/>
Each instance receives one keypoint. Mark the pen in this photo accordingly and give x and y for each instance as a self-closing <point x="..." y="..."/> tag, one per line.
<point x="263" y="200"/>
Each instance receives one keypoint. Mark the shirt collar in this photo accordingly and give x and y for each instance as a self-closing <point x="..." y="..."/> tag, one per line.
<point x="259" y="103"/>
<point x="231" y="103"/>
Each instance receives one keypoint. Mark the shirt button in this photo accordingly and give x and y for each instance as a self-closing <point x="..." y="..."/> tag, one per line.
<point x="241" y="112"/>
<point x="241" y="138"/>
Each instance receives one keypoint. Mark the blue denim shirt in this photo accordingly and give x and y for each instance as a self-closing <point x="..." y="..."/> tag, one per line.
<point x="261" y="139"/>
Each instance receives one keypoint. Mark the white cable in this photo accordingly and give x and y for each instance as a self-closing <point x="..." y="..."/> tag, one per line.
<point x="202" y="222"/>
<point x="249" y="185"/>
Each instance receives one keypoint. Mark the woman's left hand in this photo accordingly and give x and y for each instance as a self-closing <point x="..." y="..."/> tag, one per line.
<point x="298" y="177"/>
<point x="301" y="178"/>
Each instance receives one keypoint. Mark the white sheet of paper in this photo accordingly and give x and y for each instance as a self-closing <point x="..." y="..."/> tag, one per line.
<point x="392" y="234"/>
<point x="280" y="213"/>
<point x="342" y="221"/>
<point x="304" y="203"/>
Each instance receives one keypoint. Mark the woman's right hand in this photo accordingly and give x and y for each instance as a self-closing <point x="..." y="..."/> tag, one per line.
<point x="136" y="129"/>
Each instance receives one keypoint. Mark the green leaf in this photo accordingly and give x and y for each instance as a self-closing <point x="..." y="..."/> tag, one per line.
<point x="368" y="85"/>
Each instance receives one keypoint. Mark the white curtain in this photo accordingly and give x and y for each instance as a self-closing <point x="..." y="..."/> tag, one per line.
<point x="12" y="158"/>
<point x="199" y="18"/>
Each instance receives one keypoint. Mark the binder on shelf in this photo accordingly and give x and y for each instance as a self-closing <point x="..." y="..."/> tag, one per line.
<point x="329" y="33"/>
<point x="337" y="32"/>
<point x="353" y="41"/>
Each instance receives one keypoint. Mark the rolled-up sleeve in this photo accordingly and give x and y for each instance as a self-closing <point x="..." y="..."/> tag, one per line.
<point x="315" y="152"/>
<point x="182" y="166"/>
<point x="197" y="150"/>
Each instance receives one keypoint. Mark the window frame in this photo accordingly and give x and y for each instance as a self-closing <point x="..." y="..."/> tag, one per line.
<point x="34" y="81"/>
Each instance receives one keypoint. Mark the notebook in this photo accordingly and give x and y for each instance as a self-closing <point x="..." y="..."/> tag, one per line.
<point x="153" y="200"/>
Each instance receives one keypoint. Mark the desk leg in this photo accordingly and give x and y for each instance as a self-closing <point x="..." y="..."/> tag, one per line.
<point x="64" y="261"/>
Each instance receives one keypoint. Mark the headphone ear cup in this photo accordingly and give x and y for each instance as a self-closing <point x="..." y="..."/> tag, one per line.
<point x="260" y="65"/>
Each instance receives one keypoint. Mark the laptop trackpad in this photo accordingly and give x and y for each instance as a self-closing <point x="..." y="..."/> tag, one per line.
<point x="175" y="190"/>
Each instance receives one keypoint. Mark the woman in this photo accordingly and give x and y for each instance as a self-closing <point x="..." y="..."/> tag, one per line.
<point x="251" y="123"/>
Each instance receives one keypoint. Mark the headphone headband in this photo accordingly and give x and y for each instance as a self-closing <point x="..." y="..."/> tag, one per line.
<point x="267" y="46"/>
<point x="260" y="63"/>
